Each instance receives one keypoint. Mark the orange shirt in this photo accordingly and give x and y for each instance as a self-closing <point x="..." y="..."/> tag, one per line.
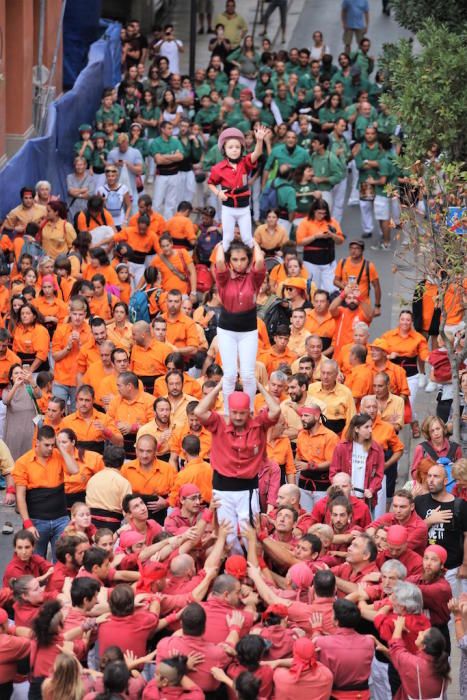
<point x="384" y="434"/>
<point x="33" y="340"/>
<point x="278" y="274"/>
<point x="345" y="322"/>
<point x="136" y="412"/>
<point x="360" y="381"/>
<point x="182" y="229"/>
<point x="280" y="451"/>
<point x="317" y="447"/>
<point x="125" y="291"/>
<point x="156" y="222"/>
<point x="157" y="480"/>
<point x="263" y="338"/>
<point x="33" y="474"/>
<point x="190" y="386"/>
<point x="180" y="259"/>
<point x="9" y="359"/>
<point x="4" y="300"/>
<point x="90" y="464"/>
<point x="150" y="361"/>
<point x="43" y="401"/>
<point x="176" y="439"/>
<point x="147" y="243"/>
<point x="309" y="227"/>
<point x="342" y="357"/>
<point x="88" y="354"/>
<point x="260" y="403"/>
<point x="453" y="303"/>
<point x="346" y="268"/>
<point x="120" y="337"/>
<point x="414" y="345"/>
<point x="85" y="429"/>
<point x="102" y="306"/>
<point x="53" y="307"/>
<point x="181" y="331"/>
<point x="108" y="387"/>
<point x="197" y="472"/>
<point x="272" y="360"/>
<point x="107" y="270"/>
<point x="397" y="377"/>
<point x="324" y="327"/>
<point x="297" y="341"/>
<point x="66" y="285"/>
<point x="94" y="375"/>
<point x="65" y="369"/>
<point x="429" y="299"/>
<point x="83" y="225"/>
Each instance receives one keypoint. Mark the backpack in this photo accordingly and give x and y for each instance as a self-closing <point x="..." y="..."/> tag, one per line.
<point x="204" y="279"/>
<point x="33" y="249"/>
<point x="113" y="200"/>
<point x="276" y="315"/>
<point x="207" y="241"/>
<point x="138" y="308"/>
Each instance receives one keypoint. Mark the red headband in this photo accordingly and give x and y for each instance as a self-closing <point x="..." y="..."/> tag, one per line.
<point x="239" y="401"/>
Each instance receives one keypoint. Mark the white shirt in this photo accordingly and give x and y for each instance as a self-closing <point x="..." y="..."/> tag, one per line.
<point x="359" y="456"/>
<point x="170" y="50"/>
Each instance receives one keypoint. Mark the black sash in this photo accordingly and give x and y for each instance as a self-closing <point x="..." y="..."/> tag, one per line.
<point x="46" y="503"/>
<point x="94" y="445"/>
<point x="337" y="425"/>
<point x="407" y="363"/>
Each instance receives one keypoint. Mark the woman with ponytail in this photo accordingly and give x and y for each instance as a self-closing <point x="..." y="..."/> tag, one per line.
<point x="65" y="682"/>
<point x="424" y="674"/>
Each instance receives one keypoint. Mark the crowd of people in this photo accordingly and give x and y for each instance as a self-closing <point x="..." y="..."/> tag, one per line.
<point x="203" y="441"/>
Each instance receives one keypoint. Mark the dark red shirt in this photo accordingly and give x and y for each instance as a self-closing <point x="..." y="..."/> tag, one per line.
<point x="217" y="611"/>
<point x="36" y="566"/>
<point x="12" y="649"/>
<point x="135" y="629"/>
<point x="237" y="292"/>
<point x="231" y="178"/>
<point x="417" y="530"/>
<point x="436" y="596"/>
<point x="60" y="573"/>
<point x="412" y="561"/>
<point x="238" y="455"/>
<point x="321" y="514"/>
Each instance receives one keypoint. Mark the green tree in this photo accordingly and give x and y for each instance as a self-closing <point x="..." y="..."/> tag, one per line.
<point x="428" y="92"/>
<point x="412" y="13"/>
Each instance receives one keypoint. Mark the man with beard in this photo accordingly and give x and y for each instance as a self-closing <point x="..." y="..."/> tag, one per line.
<point x="298" y="396"/>
<point x="306" y="549"/>
<point x="69" y="552"/>
<point x="446" y="517"/>
<point x="348" y="308"/>
<point x="360" y="561"/>
<point x="341" y="485"/>
<point x="341" y="523"/>
<point x="315" y="447"/>
<point x="436" y="591"/>
<point x="286" y="153"/>
<point x="313" y="349"/>
<point x="159" y="428"/>
<point x="177" y="398"/>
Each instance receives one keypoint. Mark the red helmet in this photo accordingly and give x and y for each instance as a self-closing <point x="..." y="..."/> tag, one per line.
<point x="231" y="133"/>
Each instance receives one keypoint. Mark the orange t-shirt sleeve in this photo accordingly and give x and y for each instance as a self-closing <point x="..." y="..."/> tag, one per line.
<point x="41" y="342"/>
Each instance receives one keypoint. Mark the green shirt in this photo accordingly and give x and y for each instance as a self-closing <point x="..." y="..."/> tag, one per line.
<point x="165" y="148"/>
<point x="142" y="145"/>
<point x="286" y="107"/>
<point x="304" y="140"/>
<point x="87" y="153"/>
<point x="364" y="62"/>
<point x="205" y="117"/>
<point x="280" y="153"/>
<point x="367" y="153"/>
<point x="340" y="149"/>
<point x="276" y="79"/>
<point x="328" y="115"/>
<point x="212" y="157"/>
<point x="308" y="81"/>
<point x="327" y="165"/>
<point x="192" y="149"/>
<point x="304" y="197"/>
<point x="115" y="114"/>
<point x="360" y="125"/>
<point x="387" y="124"/>
<point x="385" y="168"/>
<point x="150" y="113"/>
<point x="98" y="159"/>
<point x="286" y="194"/>
<point x="267" y="117"/>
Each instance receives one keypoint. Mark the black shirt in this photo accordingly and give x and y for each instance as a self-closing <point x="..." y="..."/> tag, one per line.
<point x="449" y="535"/>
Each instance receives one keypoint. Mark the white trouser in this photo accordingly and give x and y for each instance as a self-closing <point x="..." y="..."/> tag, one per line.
<point x="379" y="681"/>
<point x="366" y="211"/>
<point x="308" y="499"/>
<point x="240" y="216"/>
<point x="2" y="419"/>
<point x="137" y="271"/>
<point x="338" y="199"/>
<point x="238" y="348"/>
<point x="354" y="195"/>
<point x="380" y="508"/>
<point x="239" y="508"/>
<point x="458" y="585"/>
<point x="164" y="198"/>
<point x="286" y="224"/>
<point x="322" y="275"/>
<point x="327" y="196"/>
<point x="413" y="386"/>
<point x="186" y="187"/>
<point x="249" y="83"/>
<point x="255" y="195"/>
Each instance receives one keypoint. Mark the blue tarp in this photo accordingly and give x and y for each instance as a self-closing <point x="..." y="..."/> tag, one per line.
<point x="50" y="157"/>
<point x="80" y="30"/>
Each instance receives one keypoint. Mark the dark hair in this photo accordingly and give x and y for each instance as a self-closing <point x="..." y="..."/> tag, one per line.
<point x="315" y="206"/>
<point x="356" y="422"/>
<point x="43" y="378"/>
<point x="113" y="653"/>
<point x="128" y="499"/>
<point x="114" y="456"/>
<point x="38" y="318"/>
<point x="346" y="613"/>
<point x="12" y="369"/>
<point x="359" y="352"/>
<point x="290" y="509"/>
<point x="66" y="544"/>
<point x="214" y="369"/>
<point x="46" y="432"/>
<point x="314" y="541"/>
<point x="247" y="686"/>
<point x="324" y="583"/>
<point x="174" y="372"/>
<point x="192" y="445"/>
<point x="83" y="588"/>
<point x="94" y="556"/>
<point x="238" y="245"/>
<point x="193" y="620"/>
<point x="176" y="358"/>
<point x="160" y="399"/>
<point x="24" y="535"/>
<point x="122" y="600"/>
<point x="86" y="389"/>
<point x="249" y="650"/>
<point x="44" y="631"/>
<point x="100" y="255"/>
<point x="117" y="351"/>
<point x="116" y="677"/>
<point x="130" y="378"/>
<point x="59" y="208"/>
<point x="435" y="646"/>
<point x="60" y="402"/>
<point x="25" y="189"/>
<point x="371" y="548"/>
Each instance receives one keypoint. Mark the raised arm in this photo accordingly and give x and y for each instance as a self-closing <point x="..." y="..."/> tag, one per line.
<point x="204" y="408"/>
<point x="274" y="408"/>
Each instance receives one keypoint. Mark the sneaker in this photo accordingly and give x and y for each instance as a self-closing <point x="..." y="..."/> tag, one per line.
<point x="385" y="246"/>
<point x="422" y="380"/>
<point x="430" y="387"/>
<point x="376" y="246"/>
<point x="367" y="235"/>
<point x="149" y="179"/>
<point x="353" y="203"/>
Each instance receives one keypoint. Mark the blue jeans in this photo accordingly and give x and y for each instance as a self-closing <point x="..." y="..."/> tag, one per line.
<point x="49" y="532"/>
<point x="67" y="393"/>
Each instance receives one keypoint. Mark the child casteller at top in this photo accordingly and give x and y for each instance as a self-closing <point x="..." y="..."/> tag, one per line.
<point x="232" y="175"/>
